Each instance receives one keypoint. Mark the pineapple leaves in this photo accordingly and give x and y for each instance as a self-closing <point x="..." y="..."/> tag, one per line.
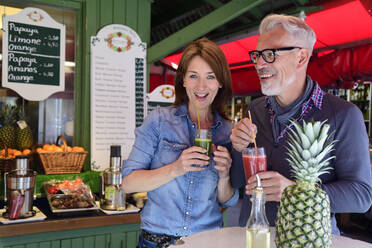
<point x="307" y="150"/>
<point x="309" y="131"/>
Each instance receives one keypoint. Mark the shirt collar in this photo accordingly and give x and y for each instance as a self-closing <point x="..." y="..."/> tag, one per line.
<point x="316" y="96"/>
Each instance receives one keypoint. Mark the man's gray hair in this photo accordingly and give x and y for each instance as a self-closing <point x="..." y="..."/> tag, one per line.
<point x="295" y="26"/>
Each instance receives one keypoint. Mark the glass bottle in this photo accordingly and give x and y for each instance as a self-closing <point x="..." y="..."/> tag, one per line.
<point x="257" y="228"/>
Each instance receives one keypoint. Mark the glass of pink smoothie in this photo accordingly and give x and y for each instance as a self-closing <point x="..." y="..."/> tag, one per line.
<point x="253" y="161"/>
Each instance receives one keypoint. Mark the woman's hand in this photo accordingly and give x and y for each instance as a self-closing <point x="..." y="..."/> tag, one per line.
<point x="223" y="161"/>
<point x="190" y="156"/>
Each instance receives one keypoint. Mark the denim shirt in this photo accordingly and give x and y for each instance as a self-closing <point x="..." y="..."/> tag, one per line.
<point x="188" y="204"/>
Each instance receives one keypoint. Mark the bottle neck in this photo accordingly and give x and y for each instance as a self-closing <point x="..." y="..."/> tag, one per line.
<point x="258" y="219"/>
<point x="115" y="163"/>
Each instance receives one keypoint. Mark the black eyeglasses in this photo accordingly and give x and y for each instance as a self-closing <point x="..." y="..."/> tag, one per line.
<point x="268" y="54"/>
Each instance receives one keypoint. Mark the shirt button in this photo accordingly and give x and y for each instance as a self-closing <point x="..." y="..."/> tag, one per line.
<point x="191" y="182"/>
<point x="185" y="228"/>
<point x="189" y="198"/>
<point x="187" y="213"/>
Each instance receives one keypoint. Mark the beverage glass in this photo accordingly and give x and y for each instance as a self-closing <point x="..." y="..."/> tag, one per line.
<point x="203" y="138"/>
<point x="253" y="161"/>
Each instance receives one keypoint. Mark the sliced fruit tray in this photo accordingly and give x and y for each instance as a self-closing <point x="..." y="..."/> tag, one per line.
<point x="69" y="196"/>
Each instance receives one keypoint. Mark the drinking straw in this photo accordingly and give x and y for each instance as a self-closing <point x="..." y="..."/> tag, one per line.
<point x="197" y="115"/>
<point x="254" y="137"/>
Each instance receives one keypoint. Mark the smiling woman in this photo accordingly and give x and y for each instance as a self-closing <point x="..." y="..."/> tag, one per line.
<point x="165" y="151"/>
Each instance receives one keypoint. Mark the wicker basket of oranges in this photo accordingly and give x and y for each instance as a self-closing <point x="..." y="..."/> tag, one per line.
<point x="61" y="159"/>
<point x="7" y="158"/>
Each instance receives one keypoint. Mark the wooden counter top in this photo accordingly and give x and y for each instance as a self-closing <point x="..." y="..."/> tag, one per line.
<point x="67" y="224"/>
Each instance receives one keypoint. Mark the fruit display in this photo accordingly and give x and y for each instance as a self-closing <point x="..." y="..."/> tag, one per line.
<point x="303" y="218"/>
<point x="12" y="153"/>
<point x="70" y="202"/>
<point x="56" y="148"/>
<point x="24" y="138"/>
<point x="8" y="118"/>
<point x="69" y="194"/>
<point x="14" y="131"/>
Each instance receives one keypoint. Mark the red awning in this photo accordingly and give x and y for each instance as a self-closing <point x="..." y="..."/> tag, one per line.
<point x="340" y="23"/>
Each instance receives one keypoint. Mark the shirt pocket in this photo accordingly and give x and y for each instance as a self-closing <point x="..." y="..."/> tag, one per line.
<point x="170" y="151"/>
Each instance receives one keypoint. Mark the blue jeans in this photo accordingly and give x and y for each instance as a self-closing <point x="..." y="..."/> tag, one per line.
<point x="144" y="243"/>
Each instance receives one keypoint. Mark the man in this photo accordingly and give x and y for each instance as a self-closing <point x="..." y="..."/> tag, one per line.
<point x="284" y="48"/>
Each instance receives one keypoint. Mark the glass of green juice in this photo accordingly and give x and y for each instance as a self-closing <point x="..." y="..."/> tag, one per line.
<point x="203" y="138"/>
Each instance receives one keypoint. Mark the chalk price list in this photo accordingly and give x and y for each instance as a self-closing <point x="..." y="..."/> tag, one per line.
<point x="33" y="54"/>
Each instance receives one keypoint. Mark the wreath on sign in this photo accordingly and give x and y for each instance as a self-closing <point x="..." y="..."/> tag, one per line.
<point x="118" y="48"/>
<point x="164" y="90"/>
<point x="35" y="16"/>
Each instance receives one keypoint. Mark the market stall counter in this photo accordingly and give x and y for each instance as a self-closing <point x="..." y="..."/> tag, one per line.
<point x="72" y="229"/>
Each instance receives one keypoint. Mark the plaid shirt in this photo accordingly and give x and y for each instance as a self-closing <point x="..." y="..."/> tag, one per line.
<point x="316" y="100"/>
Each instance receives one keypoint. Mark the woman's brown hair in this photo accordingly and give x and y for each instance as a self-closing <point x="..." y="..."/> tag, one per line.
<point x="213" y="55"/>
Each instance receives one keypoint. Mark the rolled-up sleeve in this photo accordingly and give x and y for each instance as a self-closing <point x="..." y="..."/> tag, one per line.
<point x="232" y="201"/>
<point x="145" y="145"/>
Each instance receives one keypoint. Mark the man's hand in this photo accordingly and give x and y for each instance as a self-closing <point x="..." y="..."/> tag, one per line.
<point x="243" y="134"/>
<point x="272" y="182"/>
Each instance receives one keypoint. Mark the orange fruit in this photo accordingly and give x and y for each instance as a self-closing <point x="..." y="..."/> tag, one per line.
<point x="27" y="151"/>
<point x="77" y="149"/>
<point x="16" y="153"/>
<point x="46" y="146"/>
<point x="58" y="149"/>
<point x="69" y="149"/>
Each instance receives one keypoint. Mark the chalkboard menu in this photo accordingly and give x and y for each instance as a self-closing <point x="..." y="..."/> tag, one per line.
<point x="33" y="48"/>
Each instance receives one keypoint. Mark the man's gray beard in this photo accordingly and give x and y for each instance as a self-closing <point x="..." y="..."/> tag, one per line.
<point x="275" y="91"/>
<point x="267" y="91"/>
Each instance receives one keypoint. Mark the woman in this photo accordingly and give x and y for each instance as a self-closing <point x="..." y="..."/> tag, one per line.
<point x="183" y="199"/>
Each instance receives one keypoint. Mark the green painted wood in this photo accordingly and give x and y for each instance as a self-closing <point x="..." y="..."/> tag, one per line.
<point x="66" y="243"/>
<point x="77" y="243"/>
<point x="132" y="14"/>
<point x="131" y="239"/>
<point x="56" y="244"/>
<point x="200" y="27"/>
<point x="144" y="19"/>
<point x="116" y="239"/>
<point x="119" y="13"/>
<point x="67" y="3"/>
<point x="45" y="244"/>
<point x="88" y="242"/>
<point x="106" y="12"/>
<point x="69" y="234"/>
<point x="32" y="245"/>
<point x="78" y="78"/>
<point x="100" y="241"/>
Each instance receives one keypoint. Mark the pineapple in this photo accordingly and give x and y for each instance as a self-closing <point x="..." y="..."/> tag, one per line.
<point x="24" y="139"/>
<point x="303" y="218"/>
<point x="8" y="115"/>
